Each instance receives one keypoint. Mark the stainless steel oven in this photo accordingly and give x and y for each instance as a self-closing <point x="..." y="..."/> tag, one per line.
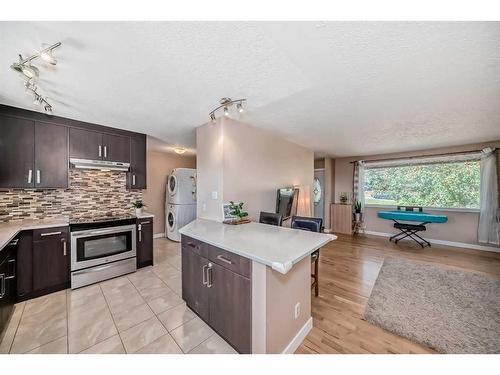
<point x="102" y="250"/>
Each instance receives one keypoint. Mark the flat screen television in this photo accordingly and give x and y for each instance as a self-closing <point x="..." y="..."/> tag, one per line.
<point x="286" y="204"/>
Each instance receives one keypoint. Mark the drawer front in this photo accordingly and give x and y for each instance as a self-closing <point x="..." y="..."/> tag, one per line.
<point x="47" y="233"/>
<point x="231" y="261"/>
<point x="198" y="247"/>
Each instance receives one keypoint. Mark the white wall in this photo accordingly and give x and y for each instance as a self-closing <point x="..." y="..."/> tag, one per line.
<point x="248" y="164"/>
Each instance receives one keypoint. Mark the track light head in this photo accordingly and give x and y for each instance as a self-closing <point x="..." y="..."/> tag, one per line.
<point x="212" y="116"/>
<point x="47" y="57"/>
<point x="226" y="112"/>
<point x="30" y="71"/>
<point x="239" y="107"/>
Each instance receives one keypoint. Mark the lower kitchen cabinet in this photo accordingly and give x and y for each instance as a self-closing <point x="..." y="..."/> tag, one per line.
<point x="50" y="258"/>
<point x="219" y="291"/>
<point x="144" y="242"/>
<point x="43" y="262"/>
<point x="194" y="282"/>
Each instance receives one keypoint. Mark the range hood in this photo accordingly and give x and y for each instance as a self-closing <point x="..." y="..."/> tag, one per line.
<point x="99" y="164"/>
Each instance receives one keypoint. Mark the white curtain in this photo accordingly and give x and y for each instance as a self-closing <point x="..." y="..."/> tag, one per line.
<point x="360" y="196"/>
<point x="488" y="231"/>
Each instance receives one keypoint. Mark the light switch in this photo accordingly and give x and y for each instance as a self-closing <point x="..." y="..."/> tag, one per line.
<point x="214" y="195"/>
<point x="203" y="206"/>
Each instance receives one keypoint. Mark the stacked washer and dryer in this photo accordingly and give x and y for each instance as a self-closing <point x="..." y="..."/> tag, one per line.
<point x="180" y="207"/>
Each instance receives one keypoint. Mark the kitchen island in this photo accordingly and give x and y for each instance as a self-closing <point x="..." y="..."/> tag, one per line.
<point x="251" y="283"/>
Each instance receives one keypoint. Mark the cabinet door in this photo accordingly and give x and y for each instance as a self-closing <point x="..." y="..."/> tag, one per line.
<point x="116" y="148"/>
<point x="24" y="266"/>
<point x="137" y="175"/>
<point x="194" y="291"/>
<point x="230" y="307"/>
<point x="17" y="147"/>
<point x="144" y="242"/>
<point x="51" y="155"/>
<point x="50" y="258"/>
<point x="85" y="144"/>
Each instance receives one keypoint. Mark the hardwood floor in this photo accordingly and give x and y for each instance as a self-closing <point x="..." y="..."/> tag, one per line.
<point x="348" y="269"/>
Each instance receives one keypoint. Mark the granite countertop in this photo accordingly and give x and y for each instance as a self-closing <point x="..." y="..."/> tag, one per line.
<point x="144" y="215"/>
<point x="277" y="247"/>
<point x="10" y="229"/>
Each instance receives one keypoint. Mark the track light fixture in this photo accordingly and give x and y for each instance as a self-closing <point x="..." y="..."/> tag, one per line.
<point x="25" y="67"/>
<point x="226" y="103"/>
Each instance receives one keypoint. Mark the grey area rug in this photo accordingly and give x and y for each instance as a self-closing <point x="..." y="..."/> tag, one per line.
<point x="449" y="310"/>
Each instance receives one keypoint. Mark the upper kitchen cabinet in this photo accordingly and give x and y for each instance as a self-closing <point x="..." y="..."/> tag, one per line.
<point x="85" y="144"/>
<point x="116" y="148"/>
<point x="92" y="145"/>
<point x="35" y="154"/>
<point x="136" y="179"/>
<point x="17" y="148"/>
<point x="51" y="155"/>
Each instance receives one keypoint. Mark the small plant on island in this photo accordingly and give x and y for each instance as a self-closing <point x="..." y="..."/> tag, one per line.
<point x="236" y="209"/>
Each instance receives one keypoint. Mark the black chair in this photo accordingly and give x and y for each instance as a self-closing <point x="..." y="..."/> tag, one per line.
<point x="270" y="218"/>
<point x="312" y="224"/>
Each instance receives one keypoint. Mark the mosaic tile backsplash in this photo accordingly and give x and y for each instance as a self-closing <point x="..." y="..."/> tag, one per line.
<point x="91" y="193"/>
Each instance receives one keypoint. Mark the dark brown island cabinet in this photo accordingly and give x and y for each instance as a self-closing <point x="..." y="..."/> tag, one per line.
<point x="144" y="240"/>
<point x="217" y="286"/>
<point x="36" y="148"/>
<point x="43" y="262"/>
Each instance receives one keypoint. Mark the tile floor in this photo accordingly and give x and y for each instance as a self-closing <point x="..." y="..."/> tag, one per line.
<point x="139" y="313"/>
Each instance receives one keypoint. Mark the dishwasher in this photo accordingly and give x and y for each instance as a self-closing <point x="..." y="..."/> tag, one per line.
<point x="7" y="284"/>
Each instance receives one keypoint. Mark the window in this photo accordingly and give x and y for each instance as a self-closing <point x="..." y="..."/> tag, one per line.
<point x="443" y="185"/>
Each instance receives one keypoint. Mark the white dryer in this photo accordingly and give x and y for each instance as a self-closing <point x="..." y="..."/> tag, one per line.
<point x="181" y="186"/>
<point x="177" y="216"/>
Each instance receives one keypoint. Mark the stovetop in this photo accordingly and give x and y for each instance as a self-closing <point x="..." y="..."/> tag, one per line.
<point x="94" y="222"/>
<point x="99" y="219"/>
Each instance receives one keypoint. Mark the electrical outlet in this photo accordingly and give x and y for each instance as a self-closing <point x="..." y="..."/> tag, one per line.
<point x="214" y="195"/>
<point x="297" y="310"/>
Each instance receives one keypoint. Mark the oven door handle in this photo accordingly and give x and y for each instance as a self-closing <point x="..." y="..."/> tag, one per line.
<point x="104" y="231"/>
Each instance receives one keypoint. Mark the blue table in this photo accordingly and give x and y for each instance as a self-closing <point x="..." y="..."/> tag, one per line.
<point x="408" y="229"/>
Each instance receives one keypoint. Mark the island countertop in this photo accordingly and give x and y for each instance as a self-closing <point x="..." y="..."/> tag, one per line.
<point x="277" y="247"/>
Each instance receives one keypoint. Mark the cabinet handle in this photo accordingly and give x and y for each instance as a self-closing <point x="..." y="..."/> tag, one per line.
<point x="205" y="276"/>
<point x="100" y="150"/>
<point x="225" y="260"/>
<point x="133" y="179"/>
<point x="194" y="246"/>
<point x="2" y="287"/>
<point x="38" y="179"/>
<point x="105" y="152"/>
<point x="145" y="222"/>
<point x="30" y="176"/>
<point x="49" y="234"/>
<point x="64" y="246"/>
<point x="13" y="276"/>
<point x="140" y="234"/>
<point x="209" y="276"/>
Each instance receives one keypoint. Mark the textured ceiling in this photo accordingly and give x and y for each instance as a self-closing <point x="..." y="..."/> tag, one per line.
<point x="339" y="88"/>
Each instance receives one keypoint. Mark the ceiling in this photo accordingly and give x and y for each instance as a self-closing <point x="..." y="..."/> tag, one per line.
<point x="338" y="88"/>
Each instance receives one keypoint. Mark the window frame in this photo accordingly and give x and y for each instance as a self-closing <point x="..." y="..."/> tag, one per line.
<point x="473" y="156"/>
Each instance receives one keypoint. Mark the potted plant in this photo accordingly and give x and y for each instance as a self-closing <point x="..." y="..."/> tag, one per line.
<point x="138" y="205"/>
<point x="357" y="211"/>
<point x="236" y="209"/>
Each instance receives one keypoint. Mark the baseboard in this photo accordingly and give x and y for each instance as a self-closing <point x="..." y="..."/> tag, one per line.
<point x="299" y="337"/>
<point x="159" y="235"/>
<point x="442" y="242"/>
